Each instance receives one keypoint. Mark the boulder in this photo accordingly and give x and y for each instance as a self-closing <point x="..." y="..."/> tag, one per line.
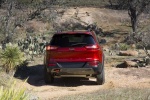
<point x="122" y="65"/>
<point x="128" y="53"/>
<point x="131" y="63"/>
<point x="127" y="64"/>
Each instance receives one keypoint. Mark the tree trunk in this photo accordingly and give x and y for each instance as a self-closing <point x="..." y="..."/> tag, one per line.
<point x="1" y="1"/>
<point x="111" y="5"/>
<point x="133" y="17"/>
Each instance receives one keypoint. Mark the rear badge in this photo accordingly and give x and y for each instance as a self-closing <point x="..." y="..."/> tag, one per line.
<point x="71" y="48"/>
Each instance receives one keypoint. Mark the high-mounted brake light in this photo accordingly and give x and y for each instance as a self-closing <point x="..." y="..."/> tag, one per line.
<point x="51" y="47"/>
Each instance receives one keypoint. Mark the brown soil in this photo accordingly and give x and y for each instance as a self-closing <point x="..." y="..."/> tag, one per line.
<point x="115" y="78"/>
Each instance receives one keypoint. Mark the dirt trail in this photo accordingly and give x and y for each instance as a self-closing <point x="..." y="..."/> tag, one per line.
<point x="115" y="78"/>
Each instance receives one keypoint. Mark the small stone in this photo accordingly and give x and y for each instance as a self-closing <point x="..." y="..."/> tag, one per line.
<point x="128" y="53"/>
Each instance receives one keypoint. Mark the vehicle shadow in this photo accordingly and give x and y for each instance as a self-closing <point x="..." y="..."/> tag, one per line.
<point x="35" y="77"/>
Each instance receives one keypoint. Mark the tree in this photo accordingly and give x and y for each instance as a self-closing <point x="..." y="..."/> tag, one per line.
<point x="136" y="8"/>
<point x="1" y="1"/>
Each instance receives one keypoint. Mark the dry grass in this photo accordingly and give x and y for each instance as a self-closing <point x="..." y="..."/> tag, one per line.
<point x="111" y="94"/>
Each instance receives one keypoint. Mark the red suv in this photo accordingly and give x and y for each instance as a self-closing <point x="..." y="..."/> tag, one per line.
<point x="74" y="54"/>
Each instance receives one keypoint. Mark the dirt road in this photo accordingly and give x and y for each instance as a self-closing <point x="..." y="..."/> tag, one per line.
<point x="115" y="78"/>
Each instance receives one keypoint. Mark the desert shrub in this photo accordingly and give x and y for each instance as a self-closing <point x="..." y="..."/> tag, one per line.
<point x="124" y="46"/>
<point x="11" y="57"/>
<point x="13" y="93"/>
<point x="69" y="25"/>
<point x="141" y="39"/>
<point x="88" y="3"/>
<point x="145" y="39"/>
<point x="28" y="2"/>
<point x="121" y="46"/>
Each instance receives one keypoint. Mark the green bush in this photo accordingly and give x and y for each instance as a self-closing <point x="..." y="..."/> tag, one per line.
<point x="11" y="57"/>
<point x="124" y="46"/>
<point x="121" y="46"/>
<point x="13" y="93"/>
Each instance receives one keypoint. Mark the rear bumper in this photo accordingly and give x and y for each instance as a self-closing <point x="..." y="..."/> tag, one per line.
<point x="70" y="72"/>
<point x="73" y="71"/>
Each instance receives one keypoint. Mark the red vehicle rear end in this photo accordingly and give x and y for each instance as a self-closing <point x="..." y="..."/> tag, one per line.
<point x="74" y="54"/>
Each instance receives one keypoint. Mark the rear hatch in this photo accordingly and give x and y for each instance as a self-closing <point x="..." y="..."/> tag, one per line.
<point x="72" y="49"/>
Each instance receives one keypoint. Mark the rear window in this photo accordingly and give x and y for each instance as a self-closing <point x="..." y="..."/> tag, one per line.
<point x="72" y="40"/>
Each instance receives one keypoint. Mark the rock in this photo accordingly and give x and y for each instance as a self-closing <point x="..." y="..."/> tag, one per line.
<point x="127" y="64"/>
<point x="131" y="64"/>
<point x="141" y="51"/>
<point x="128" y="53"/>
<point x="106" y="49"/>
<point x="30" y="52"/>
<point x="147" y="66"/>
<point x="147" y="60"/>
<point x="122" y="65"/>
<point x="133" y="46"/>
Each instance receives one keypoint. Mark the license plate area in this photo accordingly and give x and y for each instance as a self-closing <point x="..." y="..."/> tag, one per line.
<point x="71" y="64"/>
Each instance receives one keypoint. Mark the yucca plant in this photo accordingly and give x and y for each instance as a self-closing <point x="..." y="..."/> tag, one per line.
<point x="13" y="93"/>
<point x="11" y="57"/>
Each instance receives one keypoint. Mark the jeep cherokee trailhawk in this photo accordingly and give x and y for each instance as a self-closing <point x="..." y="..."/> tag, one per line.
<point x="73" y="54"/>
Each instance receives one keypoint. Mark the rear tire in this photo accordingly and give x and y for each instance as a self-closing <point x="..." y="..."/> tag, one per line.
<point x="101" y="78"/>
<point x="48" y="77"/>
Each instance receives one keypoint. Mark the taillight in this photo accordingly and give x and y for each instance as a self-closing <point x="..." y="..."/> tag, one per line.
<point x="92" y="47"/>
<point x="51" y="47"/>
<point x="93" y="63"/>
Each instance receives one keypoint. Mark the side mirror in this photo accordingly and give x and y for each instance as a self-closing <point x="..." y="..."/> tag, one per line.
<point x="102" y="41"/>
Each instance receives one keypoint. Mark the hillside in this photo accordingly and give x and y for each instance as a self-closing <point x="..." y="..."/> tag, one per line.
<point x="131" y="82"/>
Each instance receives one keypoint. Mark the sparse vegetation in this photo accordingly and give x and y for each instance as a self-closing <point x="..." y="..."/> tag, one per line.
<point x="121" y="46"/>
<point x="13" y="93"/>
<point x="112" y="94"/>
<point x="21" y="17"/>
<point x="82" y="3"/>
<point x="11" y="57"/>
<point x="124" y="46"/>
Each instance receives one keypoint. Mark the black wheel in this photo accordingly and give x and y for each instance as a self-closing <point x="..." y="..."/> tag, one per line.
<point x="101" y="78"/>
<point x="48" y="77"/>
